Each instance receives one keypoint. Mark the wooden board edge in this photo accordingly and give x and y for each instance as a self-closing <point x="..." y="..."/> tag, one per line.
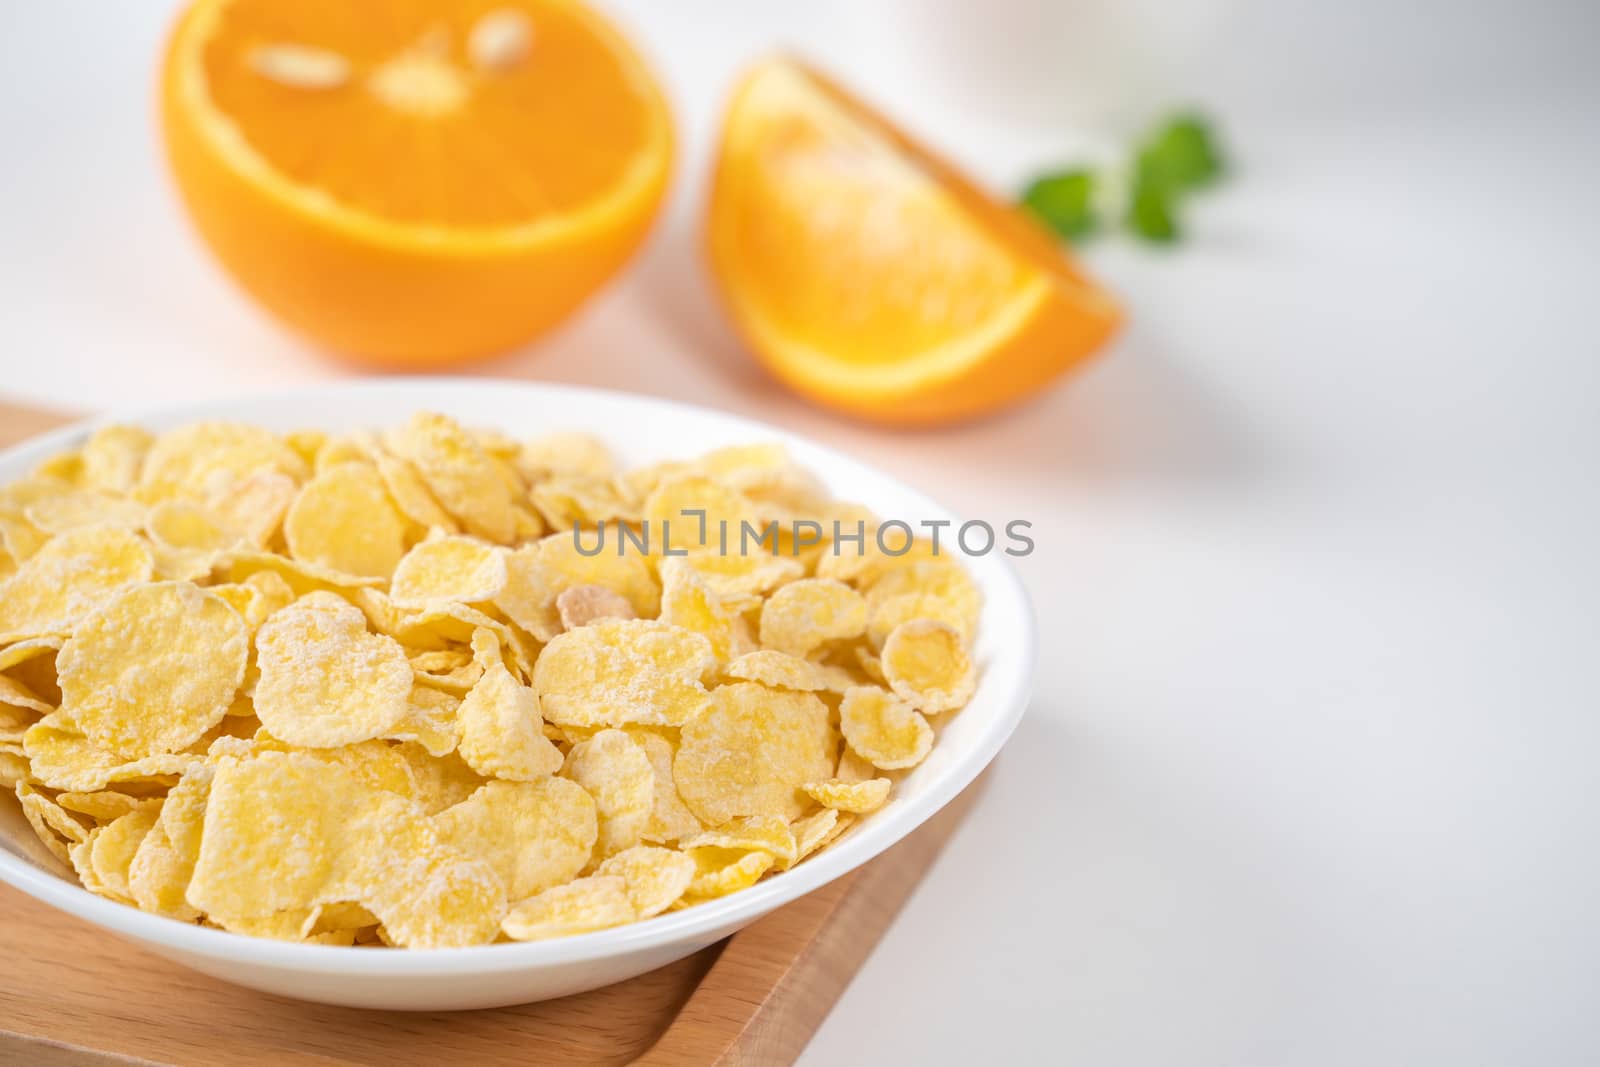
<point x="22" y="421"/>
<point x="761" y="1001"/>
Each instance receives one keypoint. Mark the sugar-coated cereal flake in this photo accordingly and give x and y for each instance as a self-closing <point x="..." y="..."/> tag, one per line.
<point x="688" y="602"/>
<point x="202" y="461"/>
<point x="534" y="834"/>
<point x="778" y="670"/>
<point x="342" y="519"/>
<point x="619" y="671"/>
<point x="670" y="818"/>
<point x="721" y="871"/>
<point x="926" y="662"/>
<point x="751" y="750"/>
<point x="883" y="728"/>
<point x="594" y="903"/>
<point x="449" y="570"/>
<point x="617" y="773"/>
<point x="806" y="614"/>
<point x="325" y="680"/>
<point x="153" y="669"/>
<point x="580" y="605"/>
<point x="460" y="474"/>
<point x="500" y="729"/>
<point x="656" y="877"/>
<point x="70" y="576"/>
<point x="858" y="798"/>
<point x="766" y="833"/>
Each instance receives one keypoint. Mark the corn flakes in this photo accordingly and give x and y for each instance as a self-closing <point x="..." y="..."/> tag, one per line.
<point x="926" y="662"/>
<point x="751" y="750"/>
<point x="325" y="680"/>
<point x="342" y="519"/>
<point x="344" y="689"/>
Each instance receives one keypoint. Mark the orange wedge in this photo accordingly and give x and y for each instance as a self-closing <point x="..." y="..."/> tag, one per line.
<point x="871" y="276"/>
<point x="414" y="183"/>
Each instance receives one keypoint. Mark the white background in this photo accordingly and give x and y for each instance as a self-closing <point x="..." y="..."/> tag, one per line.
<point x="1308" y="778"/>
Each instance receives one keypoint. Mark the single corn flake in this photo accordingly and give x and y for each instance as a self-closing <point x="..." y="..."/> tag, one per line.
<point x="69" y="510"/>
<point x="594" y="903"/>
<point x="940" y="585"/>
<point x="812" y="832"/>
<point x="582" y="604"/>
<point x="256" y="506"/>
<point x="765" y="833"/>
<point x="114" y="848"/>
<point x="30" y="648"/>
<point x="656" y="877"/>
<point x="104" y="805"/>
<point x="688" y="602"/>
<point x="431" y="721"/>
<point x="16" y="695"/>
<point x="853" y="767"/>
<point x="13" y="765"/>
<point x="696" y="514"/>
<point x="342" y="519"/>
<point x="70" y="576"/>
<point x="500" y="729"/>
<point x="158" y="877"/>
<point x="926" y="662"/>
<point x="153" y="669"/>
<point x="670" y="818"/>
<point x="449" y="570"/>
<point x="858" y="798"/>
<point x="113" y="457"/>
<point x="623" y="671"/>
<point x="806" y="614"/>
<point x="564" y="452"/>
<point x="411" y="494"/>
<point x="533" y="834"/>
<point x="62" y="758"/>
<point x="203" y="461"/>
<point x="720" y="871"/>
<point x="462" y="477"/>
<point x="742" y="576"/>
<point x="577" y="500"/>
<point x="751" y="750"/>
<point x="618" y="774"/>
<point x="883" y="728"/>
<point x="778" y="670"/>
<point x="325" y="680"/>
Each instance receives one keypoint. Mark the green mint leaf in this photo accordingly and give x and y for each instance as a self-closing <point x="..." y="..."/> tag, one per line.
<point x="1064" y="202"/>
<point x="1181" y="153"/>
<point x="1152" y="213"/>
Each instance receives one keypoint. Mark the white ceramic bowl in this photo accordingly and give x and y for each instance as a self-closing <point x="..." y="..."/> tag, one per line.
<point x="641" y="429"/>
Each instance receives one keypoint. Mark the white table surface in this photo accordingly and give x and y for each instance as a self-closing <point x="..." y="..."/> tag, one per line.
<point x="1308" y="778"/>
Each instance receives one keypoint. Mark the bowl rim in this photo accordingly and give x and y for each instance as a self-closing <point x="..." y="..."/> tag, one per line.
<point x="1008" y="676"/>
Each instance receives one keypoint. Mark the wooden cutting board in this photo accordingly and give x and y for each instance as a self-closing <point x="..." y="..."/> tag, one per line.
<point x="71" y="994"/>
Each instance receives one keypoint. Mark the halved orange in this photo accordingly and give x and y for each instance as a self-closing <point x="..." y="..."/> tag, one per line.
<point x="871" y="276"/>
<point x="419" y="182"/>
